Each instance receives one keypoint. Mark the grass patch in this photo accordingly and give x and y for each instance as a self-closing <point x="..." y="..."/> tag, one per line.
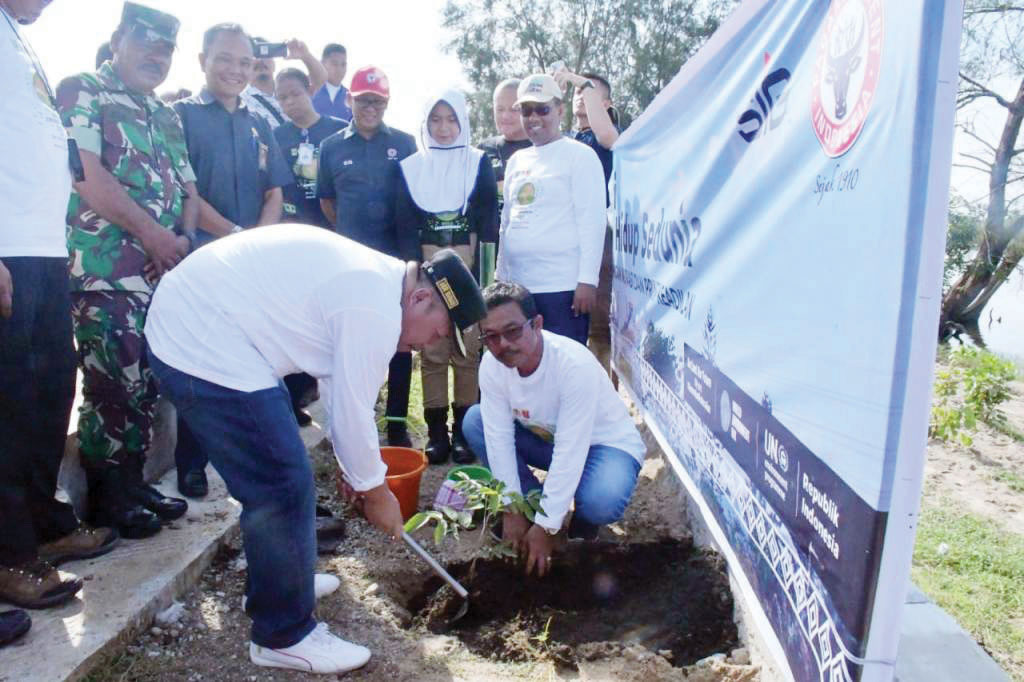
<point x="979" y="578"/>
<point x="1014" y="482"/>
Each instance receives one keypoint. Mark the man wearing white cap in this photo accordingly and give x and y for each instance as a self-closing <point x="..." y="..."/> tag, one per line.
<point x="553" y="220"/>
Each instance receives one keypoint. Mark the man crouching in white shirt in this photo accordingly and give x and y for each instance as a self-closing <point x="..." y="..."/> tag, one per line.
<point x="226" y="325"/>
<point x="546" y="403"/>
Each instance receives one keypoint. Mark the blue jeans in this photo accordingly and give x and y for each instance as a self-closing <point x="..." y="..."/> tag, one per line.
<point x="556" y="307"/>
<point x="609" y="474"/>
<point x="252" y="440"/>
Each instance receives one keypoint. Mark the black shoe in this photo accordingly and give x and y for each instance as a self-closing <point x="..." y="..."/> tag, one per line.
<point x="193" y="483"/>
<point x="461" y="454"/>
<point x="110" y="506"/>
<point x="582" y="530"/>
<point x="302" y="417"/>
<point x="13" y="624"/>
<point x="398" y="434"/>
<point x="438" y="445"/>
<point x="330" y="531"/>
<point x="167" y="508"/>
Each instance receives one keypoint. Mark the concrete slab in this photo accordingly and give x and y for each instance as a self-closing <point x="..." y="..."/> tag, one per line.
<point x="934" y="648"/>
<point x="123" y="591"/>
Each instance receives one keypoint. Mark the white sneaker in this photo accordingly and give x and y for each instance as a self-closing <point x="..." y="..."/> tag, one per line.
<point x="318" y="652"/>
<point x="323" y="585"/>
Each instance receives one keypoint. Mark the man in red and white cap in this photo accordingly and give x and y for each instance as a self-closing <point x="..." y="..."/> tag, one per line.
<point x="357" y="181"/>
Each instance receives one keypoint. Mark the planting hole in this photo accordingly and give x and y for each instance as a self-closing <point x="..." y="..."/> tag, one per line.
<point x="598" y="597"/>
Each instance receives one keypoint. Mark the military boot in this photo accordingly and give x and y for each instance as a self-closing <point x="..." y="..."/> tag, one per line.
<point x="461" y="454"/>
<point x="438" y="445"/>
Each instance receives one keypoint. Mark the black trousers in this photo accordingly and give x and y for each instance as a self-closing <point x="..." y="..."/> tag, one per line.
<point x="37" y="388"/>
<point x="399" y="381"/>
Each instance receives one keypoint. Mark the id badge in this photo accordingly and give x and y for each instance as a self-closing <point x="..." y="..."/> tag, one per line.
<point x="263" y="156"/>
<point x="305" y="154"/>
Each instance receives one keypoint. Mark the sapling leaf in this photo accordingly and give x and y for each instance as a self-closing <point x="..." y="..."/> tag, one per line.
<point x="439" y="532"/>
<point x="416" y="522"/>
<point x="452" y="514"/>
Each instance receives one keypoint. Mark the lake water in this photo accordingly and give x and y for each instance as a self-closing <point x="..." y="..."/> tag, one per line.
<point x="1002" y="321"/>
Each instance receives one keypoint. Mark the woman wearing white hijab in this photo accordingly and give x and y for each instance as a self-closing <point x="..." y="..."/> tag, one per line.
<point x="451" y="196"/>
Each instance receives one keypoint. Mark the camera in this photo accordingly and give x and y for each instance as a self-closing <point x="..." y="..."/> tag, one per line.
<point x="270" y="50"/>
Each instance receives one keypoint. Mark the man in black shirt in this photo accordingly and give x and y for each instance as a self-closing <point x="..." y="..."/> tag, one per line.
<point x="357" y="183"/>
<point x="511" y="138"/>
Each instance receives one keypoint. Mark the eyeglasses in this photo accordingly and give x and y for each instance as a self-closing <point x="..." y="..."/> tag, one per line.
<point x="376" y="103"/>
<point x="528" y="109"/>
<point x="511" y="335"/>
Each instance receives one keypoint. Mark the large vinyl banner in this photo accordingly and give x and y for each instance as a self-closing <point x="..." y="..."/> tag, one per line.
<point x="779" y="231"/>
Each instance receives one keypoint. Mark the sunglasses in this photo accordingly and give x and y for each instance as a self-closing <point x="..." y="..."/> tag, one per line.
<point x="528" y="109"/>
<point x="510" y="335"/>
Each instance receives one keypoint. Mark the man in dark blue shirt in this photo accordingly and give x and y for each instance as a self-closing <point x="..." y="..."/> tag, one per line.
<point x="357" y="184"/>
<point x="238" y="164"/>
<point x="299" y="139"/>
<point x="331" y="99"/>
<point x="239" y="174"/>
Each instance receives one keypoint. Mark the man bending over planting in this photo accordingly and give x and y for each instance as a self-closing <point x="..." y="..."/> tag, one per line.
<point x="547" y="403"/>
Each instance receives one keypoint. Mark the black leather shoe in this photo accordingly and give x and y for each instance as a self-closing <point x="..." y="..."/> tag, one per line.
<point x="131" y="522"/>
<point x="398" y="435"/>
<point x="302" y="417"/>
<point x="13" y="624"/>
<point x="193" y="484"/>
<point x="111" y="505"/>
<point x="167" y="508"/>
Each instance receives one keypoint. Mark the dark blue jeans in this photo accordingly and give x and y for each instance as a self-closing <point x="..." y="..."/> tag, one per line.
<point x="556" y="307"/>
<point x="606" y="485"/>
<point x="252" y="440"/>
<point x="37" y="387"/>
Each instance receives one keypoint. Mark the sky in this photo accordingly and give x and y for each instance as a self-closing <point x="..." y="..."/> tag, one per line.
<point x="404" y="38"/>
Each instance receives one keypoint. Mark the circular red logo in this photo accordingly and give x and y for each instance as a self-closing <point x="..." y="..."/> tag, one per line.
<point x="846" y="74"/>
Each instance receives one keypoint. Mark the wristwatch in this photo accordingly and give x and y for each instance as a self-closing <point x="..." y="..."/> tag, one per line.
<point x="236" y="229"/>
<point x="550" y="531"/>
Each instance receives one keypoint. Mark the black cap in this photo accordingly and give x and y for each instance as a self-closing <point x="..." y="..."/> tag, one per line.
<point x="458" y="290"/>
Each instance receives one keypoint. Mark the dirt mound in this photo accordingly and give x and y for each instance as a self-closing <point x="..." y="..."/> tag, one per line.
<point x="599" y="598"/>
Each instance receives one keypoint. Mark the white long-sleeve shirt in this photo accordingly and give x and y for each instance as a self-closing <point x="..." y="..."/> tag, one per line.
<point x="568" y="400"/>
<point x="248" y="309"/>
<point x="553" y="220"/>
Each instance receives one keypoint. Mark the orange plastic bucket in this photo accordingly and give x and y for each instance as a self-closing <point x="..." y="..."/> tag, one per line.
<point x="405" y="467"/>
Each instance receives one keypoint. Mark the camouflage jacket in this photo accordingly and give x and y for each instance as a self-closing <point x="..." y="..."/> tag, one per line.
<point x="139" y="139"/>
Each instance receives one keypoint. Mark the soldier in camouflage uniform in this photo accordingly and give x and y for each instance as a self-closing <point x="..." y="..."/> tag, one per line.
<point x="139" y="190"/>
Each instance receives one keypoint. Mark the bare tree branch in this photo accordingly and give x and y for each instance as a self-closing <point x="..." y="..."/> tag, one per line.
<point x="983" y="91"/>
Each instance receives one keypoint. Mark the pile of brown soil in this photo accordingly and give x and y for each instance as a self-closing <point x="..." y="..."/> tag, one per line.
<point x="598" y="598"/>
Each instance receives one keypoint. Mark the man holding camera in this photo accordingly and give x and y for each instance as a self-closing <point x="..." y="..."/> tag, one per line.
<point x="260" y="95"/>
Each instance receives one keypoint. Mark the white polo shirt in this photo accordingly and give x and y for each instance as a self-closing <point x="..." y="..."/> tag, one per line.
<point x="246" y="310"/>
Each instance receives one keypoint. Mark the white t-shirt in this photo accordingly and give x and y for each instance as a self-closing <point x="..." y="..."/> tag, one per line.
<point x="568" y="400"/>
<point x="553" y="221"/>
<point x="35" y="180"/>
<point x="250" y="308"/>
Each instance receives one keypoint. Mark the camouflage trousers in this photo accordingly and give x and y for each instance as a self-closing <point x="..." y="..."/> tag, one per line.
<point x="115" y="421"/>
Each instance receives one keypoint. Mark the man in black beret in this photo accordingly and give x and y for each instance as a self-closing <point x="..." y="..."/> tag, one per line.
<point x="241" y="313"/>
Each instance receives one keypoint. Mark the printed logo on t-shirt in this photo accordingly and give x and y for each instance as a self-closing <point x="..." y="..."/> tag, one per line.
<point x="527" y="194"/>
<point x="392" y="153"/>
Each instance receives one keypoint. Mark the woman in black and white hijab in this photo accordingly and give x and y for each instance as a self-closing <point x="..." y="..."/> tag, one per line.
<point x="450" y="196"/>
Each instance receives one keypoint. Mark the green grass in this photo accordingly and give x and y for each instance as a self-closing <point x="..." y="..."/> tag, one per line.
<point x="979" y="580"/>
<point x="1014" y="482"/>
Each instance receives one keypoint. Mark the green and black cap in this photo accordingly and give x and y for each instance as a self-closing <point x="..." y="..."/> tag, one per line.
<point x="151" y="25"/>
<point x="458" y="290"/>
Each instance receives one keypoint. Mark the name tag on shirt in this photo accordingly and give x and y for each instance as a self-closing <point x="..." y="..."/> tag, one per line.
<point x="346" y="162"/>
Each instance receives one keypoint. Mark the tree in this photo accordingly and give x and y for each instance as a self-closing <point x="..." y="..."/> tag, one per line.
<point x="638" y="45"/>
<point x="992" y="62"/>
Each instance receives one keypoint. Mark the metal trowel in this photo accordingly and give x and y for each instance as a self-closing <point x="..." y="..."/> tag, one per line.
<point x="445" y="575"/>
